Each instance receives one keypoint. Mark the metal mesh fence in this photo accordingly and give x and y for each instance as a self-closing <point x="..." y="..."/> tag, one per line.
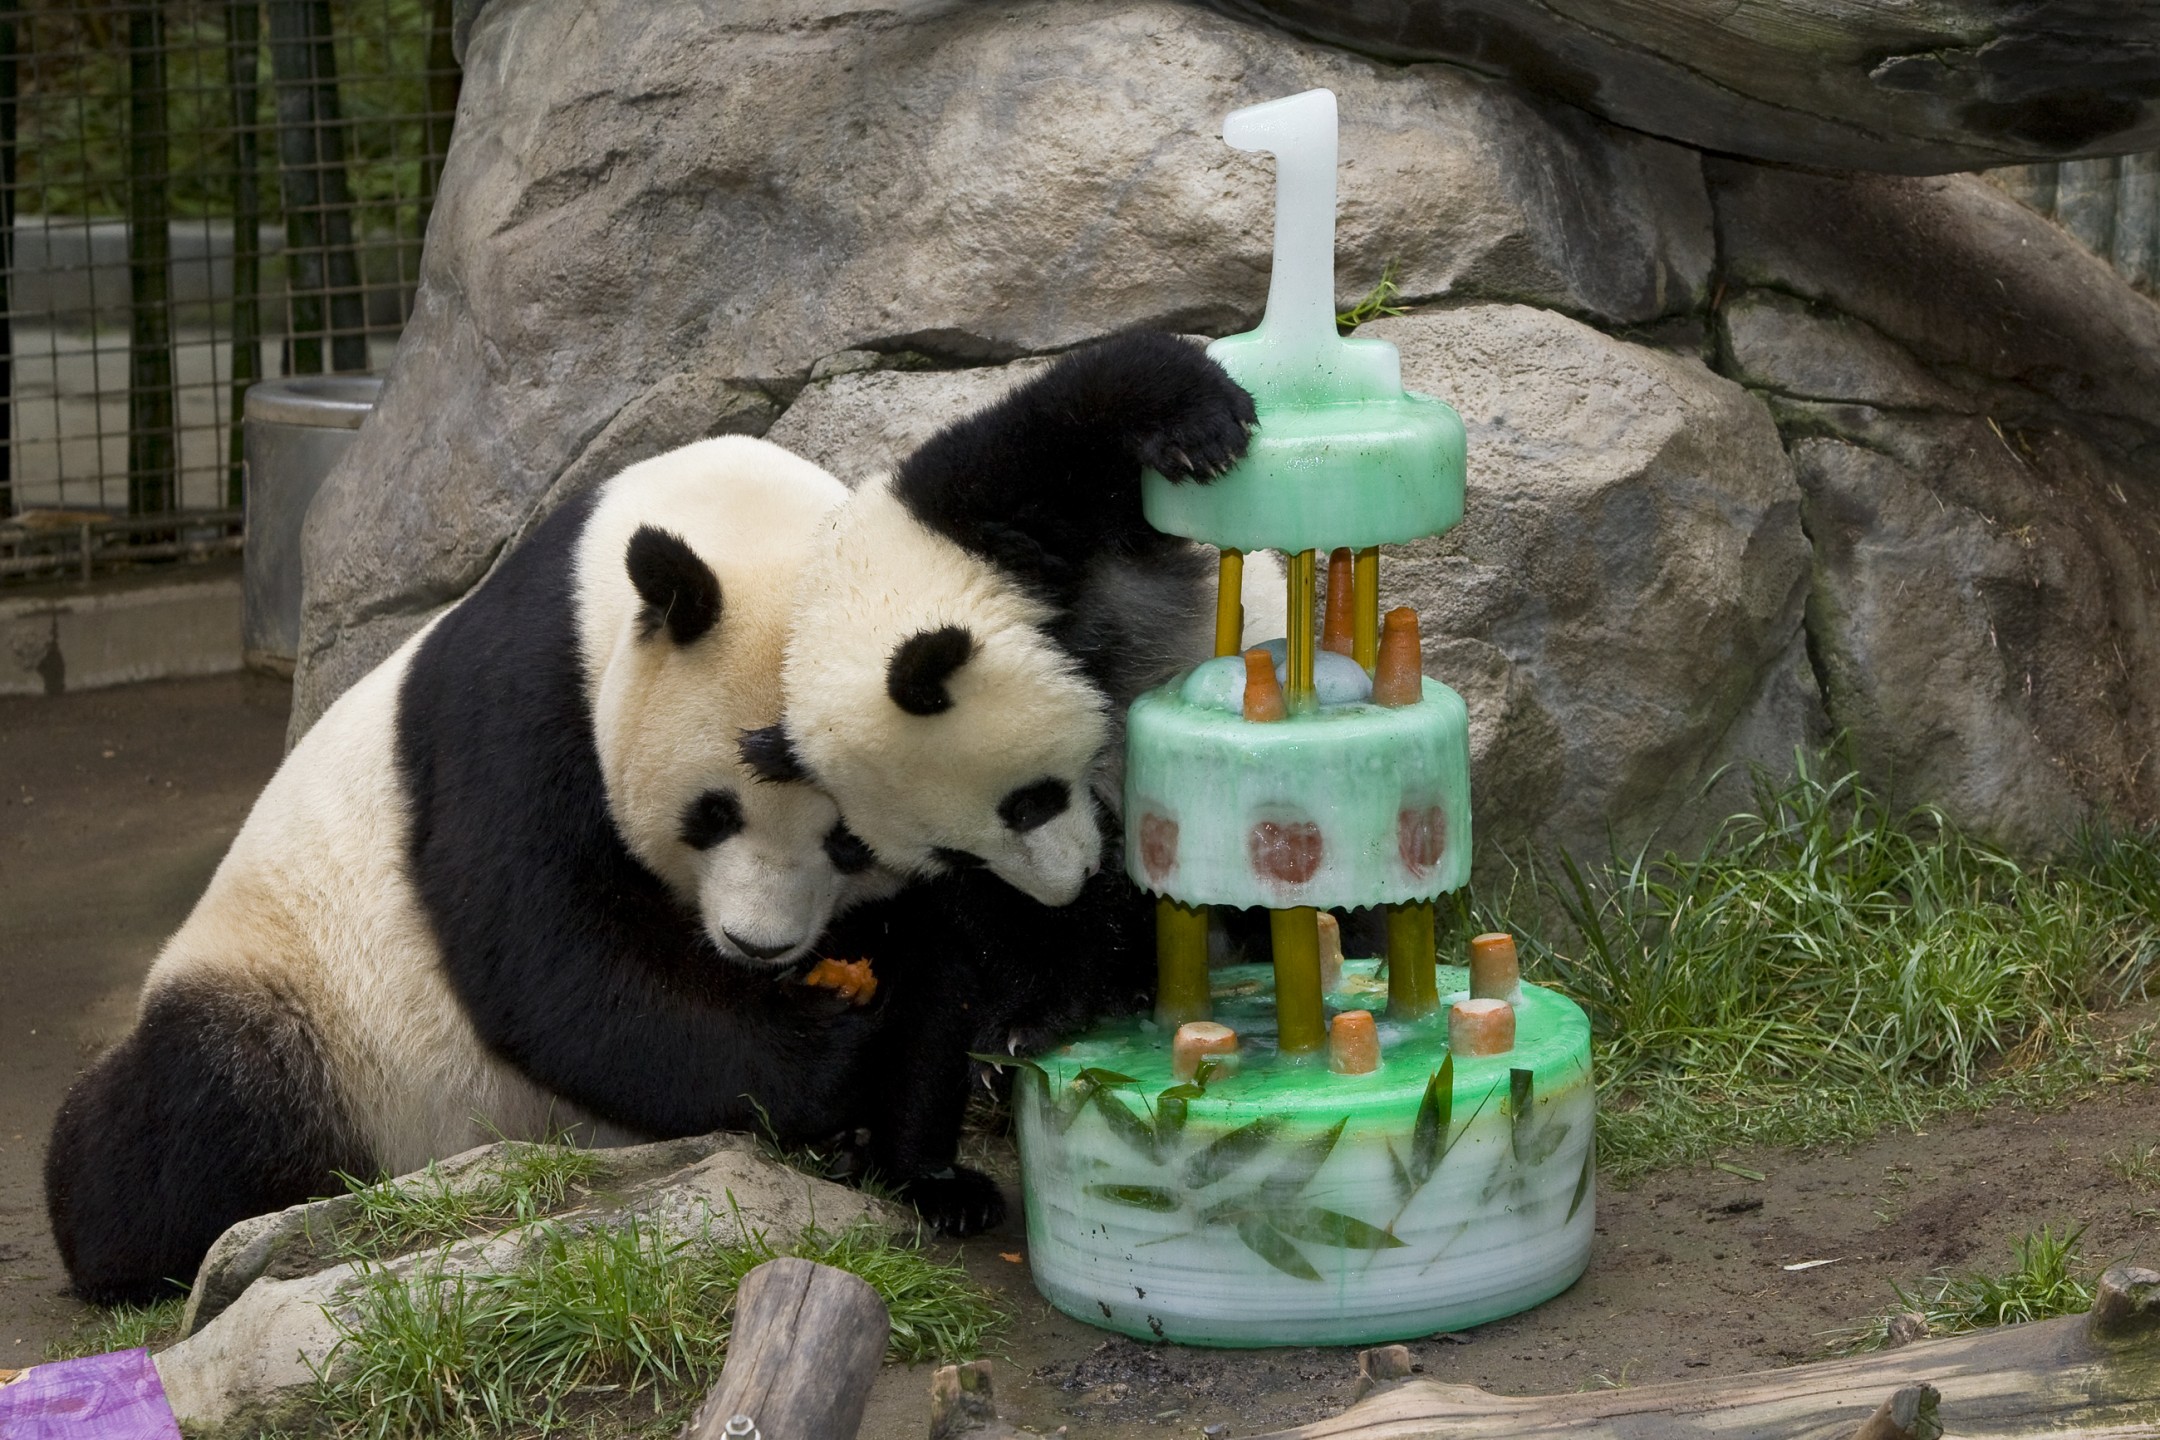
<point x="194" y="195"/>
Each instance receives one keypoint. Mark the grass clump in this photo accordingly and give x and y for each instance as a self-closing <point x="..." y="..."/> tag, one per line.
<point x="2140" y="1165"/>
<point x="122" y="1327"/>
<point x="2042" y="1283"/>
<point x="1826" y="967"/>
<point x="598" y="1320"/>
<point x="524" y="1183"/>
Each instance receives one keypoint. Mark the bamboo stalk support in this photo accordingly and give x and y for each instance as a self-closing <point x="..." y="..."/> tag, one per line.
<point x="1181" y="966"/>
<point x="1365" y="613"/>
<point x="1413" y="981"/>
<point x="1230" y="603"/>
<point x="1298" y="686"/>
<point x="1300" y="1022"/>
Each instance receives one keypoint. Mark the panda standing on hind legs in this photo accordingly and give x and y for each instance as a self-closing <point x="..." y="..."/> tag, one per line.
<point x="519" y="877"/>
<point x="957" y="676"/>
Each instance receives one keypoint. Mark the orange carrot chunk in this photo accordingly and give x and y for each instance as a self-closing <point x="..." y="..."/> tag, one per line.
<point x="1338" y="629"/>
<point x="1353" y="1043"/>
<point x="1399" y="678"/>
<point x="1263" y="692"/>
<point x="851" y="980"/>
<point x="1198" y="1040"/>
<point x="1481" y="1027"/>
<point x="1495" y="974"/>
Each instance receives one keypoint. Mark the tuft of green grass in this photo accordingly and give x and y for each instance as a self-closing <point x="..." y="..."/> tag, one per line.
<point x="122" y="1327"/>
<point x="526" y="1182"/>
<point x="1826" y="967"/>
<point x="2139" y="1165"/>
<point x="1375" y="303"/>
<point x="2043" y="1282"/>
<point x="598" y="1319"/>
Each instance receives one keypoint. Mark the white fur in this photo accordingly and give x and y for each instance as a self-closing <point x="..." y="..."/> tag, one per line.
<point x="1021" y="712"/>
<point x="667" y="717"/>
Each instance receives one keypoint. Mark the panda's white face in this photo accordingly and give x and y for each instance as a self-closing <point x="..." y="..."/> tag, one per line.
<point x="686" y="575"/>
<point x="923" y="692"/>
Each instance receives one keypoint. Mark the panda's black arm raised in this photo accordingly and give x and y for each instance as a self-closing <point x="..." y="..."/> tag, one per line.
<point x="571" y="959"/>
<point x="1048" y="478"/>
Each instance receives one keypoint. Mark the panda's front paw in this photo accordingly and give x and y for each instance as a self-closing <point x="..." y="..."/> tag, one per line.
<point x="956" y="1201"/>
<point x="1204" y="429"/>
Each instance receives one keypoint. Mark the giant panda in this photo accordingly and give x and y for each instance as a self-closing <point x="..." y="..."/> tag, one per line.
<point x="966" y="641"/>
<point x="520" y="877"/>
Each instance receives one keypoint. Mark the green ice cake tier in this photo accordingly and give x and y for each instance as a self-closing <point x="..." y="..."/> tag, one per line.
<point x="1348" y="805"/>
<point x="1283" y="1204"/>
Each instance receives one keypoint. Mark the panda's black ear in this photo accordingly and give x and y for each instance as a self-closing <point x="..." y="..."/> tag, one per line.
<point x="680" y="591"/>
<point x="770" y="754"/>
<point x="921" y="664"/>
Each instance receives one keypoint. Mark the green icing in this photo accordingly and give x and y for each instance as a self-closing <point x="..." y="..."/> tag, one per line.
<point x="1351" y="772"/>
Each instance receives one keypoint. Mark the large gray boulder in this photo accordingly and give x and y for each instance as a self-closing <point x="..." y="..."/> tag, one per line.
<point x="1917" y="89"/>
<point x="1972" y="403"/>
<point x="655" y="219"/>
<point x="1621" y="607"/>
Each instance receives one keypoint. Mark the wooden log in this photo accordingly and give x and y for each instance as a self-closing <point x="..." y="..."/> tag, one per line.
<point x="2084" y="1377"/>
<point x="806" y="1345"/>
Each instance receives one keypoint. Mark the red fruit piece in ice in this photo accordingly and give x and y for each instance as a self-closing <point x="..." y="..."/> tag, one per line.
<point x="1158" y="845"/>
<point x="1421" y="837"/>
<point x="1285" y="850"/>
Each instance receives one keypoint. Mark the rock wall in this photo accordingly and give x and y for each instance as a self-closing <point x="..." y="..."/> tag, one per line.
<point x="1754" y="453"/>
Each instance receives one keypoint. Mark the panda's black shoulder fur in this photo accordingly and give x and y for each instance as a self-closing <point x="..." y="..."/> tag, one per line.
<point x="1046" y="480"/>
<point x="572" y="960"/>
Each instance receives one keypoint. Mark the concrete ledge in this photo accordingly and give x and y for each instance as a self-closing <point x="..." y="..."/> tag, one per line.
<point x="151" y="626"/>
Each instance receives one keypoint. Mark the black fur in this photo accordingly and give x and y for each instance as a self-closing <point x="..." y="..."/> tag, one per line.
<point x="713" y="817"/>
<point x="967" y="963"/>
<point x="680" y="591"/>
<point x="849" y="853"/>
<point x="915" y="676"/>
<point x="217" y="1107"/>
<point x="770" y="754"/>
<point x="1036" y="805"/>
<point x="1046" y="482"/>
<point x="572" y="960"/>
<point x="955" y="862"/>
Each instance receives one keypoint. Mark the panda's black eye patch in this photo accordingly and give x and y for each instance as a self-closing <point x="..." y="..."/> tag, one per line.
<point x="921" y="664"/>
<point x="713" y="817"/>
<point x="846" y="850"/>
<point x="770" y="754"/>
<point x="1024" y="809"/>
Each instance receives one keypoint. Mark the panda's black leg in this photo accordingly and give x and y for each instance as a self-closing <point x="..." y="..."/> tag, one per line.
<point x="921" y="1085"/>
<point x="216" y="1108"/>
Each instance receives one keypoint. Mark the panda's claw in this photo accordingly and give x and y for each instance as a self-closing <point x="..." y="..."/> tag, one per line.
<point x="956" y="1202"/>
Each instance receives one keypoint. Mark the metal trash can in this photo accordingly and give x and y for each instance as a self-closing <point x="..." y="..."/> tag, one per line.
<point x="296" y="429"/>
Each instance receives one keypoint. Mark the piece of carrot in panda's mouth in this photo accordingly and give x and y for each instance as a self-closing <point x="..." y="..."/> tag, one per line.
<point x="851" y="980"/>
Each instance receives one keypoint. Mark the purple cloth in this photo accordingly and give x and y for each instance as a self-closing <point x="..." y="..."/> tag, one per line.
<point x="101" y="1397"/>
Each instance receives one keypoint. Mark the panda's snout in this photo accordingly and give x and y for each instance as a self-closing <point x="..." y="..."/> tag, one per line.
<point x="758" y="952"/>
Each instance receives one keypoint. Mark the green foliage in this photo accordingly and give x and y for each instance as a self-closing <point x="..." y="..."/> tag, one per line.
<point x="2140" y="1165"/>
<point x="122" y="1327"/>
<point x="72" y="110"/>
<point x="2042" y="1283"/>
<point x="1826" y="967"/>
<point x="522" y="1185"/>
<point x="1375" y="303"/>
<point x="598" y="1319"/>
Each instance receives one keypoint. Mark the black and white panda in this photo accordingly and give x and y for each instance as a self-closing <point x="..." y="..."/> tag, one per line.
<point x="961" y="658"/>
<point x="519" y="877"/>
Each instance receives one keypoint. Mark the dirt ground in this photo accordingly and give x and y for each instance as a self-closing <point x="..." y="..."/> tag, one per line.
<point x="114" y="808"/>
